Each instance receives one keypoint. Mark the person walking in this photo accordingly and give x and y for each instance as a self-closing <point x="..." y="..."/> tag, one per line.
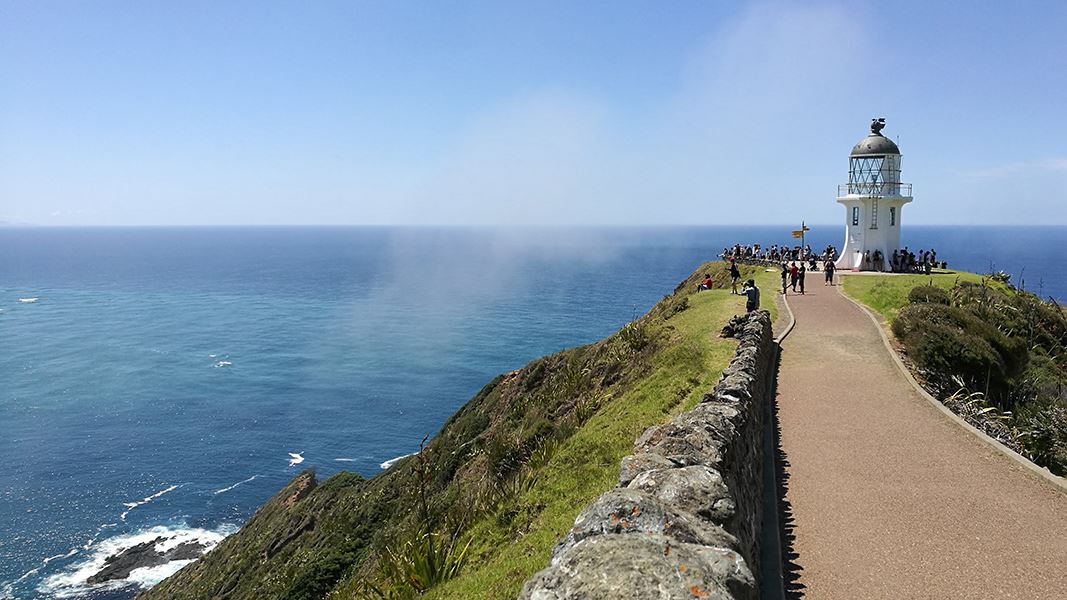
<point x="785" y="277"/>
<point x="793" y="274"/>
<point x="828" y="268"/>
<point x="735" y="276"/>
<point x="800" y="277"/>
<point x="751" y="293"/>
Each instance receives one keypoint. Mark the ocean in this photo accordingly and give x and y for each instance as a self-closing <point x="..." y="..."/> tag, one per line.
<point x="170" y="380"/>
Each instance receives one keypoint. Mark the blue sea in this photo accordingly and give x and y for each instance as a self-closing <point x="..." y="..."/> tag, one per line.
<point x="157" y="380"/>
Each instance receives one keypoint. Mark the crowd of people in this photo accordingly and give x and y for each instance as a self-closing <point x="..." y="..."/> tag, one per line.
<point x="905" y="261"/>
<point x="902" y="260"/>
<point x="776" y="255"/>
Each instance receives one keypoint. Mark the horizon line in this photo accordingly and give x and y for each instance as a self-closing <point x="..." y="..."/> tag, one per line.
<point x="9" y="225"/>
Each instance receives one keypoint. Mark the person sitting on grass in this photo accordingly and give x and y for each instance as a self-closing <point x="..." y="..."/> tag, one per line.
<point x="706" y="284"/>
<point x="751" y="292"/>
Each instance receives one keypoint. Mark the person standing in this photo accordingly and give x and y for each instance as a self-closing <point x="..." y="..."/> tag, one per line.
<point x="829" y="267"/>
<point x="800" y="277"/>
<point x="785" y="277"/>
<point x="751" y="293"/>
<point x="735" y="276"/>
<point x="793" y="274"/>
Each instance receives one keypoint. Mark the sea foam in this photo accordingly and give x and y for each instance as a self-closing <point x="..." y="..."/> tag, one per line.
<point x="393" y="461"/>
<point x="228" y="488"/>
<point x="132" y="505"/>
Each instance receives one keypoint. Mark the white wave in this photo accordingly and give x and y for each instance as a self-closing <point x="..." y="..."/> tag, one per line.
<point x="295" y="458"/>
<point x="223" y="363"/>
<point x="345" y="459"/>
<point x="393" y="461"/>
<point x="132" y="505"/>
<point x="73" y="581"/>
<point x="226" y="489"/>
<point x="9" y="589"/>
<point x="29" y="300"/>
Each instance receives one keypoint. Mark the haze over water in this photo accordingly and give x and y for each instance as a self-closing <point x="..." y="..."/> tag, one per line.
<point x="161" y="377"/>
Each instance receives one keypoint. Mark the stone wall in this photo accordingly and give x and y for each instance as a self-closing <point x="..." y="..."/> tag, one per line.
<point x="685" y="521"/>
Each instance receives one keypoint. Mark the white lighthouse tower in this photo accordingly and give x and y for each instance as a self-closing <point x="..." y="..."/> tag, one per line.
<point x="873" y="199"/>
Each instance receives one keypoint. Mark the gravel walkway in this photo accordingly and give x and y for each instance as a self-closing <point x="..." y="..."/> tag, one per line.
<point x="886" y="497"/>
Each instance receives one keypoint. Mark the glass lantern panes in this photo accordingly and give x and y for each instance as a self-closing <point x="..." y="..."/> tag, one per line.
<point x="874" y="175"/>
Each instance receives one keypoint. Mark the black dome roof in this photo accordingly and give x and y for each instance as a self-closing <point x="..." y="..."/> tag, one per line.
<point x="875" y="143"/>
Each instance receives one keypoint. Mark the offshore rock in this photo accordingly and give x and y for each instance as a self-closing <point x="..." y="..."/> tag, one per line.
<point x="119" y="566"/>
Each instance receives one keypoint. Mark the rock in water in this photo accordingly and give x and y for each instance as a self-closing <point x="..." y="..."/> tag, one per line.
<point x="119" y="566"/>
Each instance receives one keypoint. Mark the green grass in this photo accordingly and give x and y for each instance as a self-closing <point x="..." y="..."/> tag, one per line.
<point x="887" y="294"/>
<point x="587" y="464"/>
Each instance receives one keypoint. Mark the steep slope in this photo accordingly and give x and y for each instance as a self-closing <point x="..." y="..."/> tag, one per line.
<point x="504" y="478"/>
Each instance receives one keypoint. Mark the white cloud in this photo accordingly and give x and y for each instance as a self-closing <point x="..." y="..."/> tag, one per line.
<point x="1020" y="169"/>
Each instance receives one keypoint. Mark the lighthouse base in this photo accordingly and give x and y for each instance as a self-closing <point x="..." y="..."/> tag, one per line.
<point x="872" y="232"/>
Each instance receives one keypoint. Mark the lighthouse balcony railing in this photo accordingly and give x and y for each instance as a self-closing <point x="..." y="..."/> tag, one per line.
<point x="874" y="190"/>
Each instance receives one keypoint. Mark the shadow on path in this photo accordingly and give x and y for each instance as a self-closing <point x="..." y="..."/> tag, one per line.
<point x="792" y="587"/>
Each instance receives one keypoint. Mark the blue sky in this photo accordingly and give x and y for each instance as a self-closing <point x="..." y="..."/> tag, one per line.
<point x="132" y="113"/>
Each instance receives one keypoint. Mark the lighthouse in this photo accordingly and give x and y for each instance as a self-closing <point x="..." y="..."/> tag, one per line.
<point x="873" y="199"/>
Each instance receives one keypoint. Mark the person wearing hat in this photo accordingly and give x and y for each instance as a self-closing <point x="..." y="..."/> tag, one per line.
<point x="752" y="293"/>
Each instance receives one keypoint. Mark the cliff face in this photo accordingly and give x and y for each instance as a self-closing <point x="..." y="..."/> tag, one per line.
<point x="505" y="476"/>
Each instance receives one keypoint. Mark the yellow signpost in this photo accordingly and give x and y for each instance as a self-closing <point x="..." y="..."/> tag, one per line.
<point x="799" y="233"/>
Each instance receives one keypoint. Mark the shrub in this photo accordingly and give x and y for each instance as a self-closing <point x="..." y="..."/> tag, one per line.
<point x="929" y="293"/>
<point x="1046" y="438"/>
<point x="316" y="580"/>
<point x="947" y="342"/>
<point x="423" y="561"/>
<point x="634" y="336"/>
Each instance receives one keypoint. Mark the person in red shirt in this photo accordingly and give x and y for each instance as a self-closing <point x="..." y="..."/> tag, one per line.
<point x="794" y="273"/>
<point x="706" y="284"/>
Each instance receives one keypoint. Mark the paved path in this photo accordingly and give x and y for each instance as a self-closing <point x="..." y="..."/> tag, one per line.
<point x="889" y="497"/>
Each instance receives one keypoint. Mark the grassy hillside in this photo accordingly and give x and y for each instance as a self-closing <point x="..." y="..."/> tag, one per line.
<point x="478" y="511"/>
<point x="887" y="294"/>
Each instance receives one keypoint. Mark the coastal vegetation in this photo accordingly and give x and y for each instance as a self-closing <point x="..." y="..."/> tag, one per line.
<point x="994" y="354"/>
<point x="477" y="511"/>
